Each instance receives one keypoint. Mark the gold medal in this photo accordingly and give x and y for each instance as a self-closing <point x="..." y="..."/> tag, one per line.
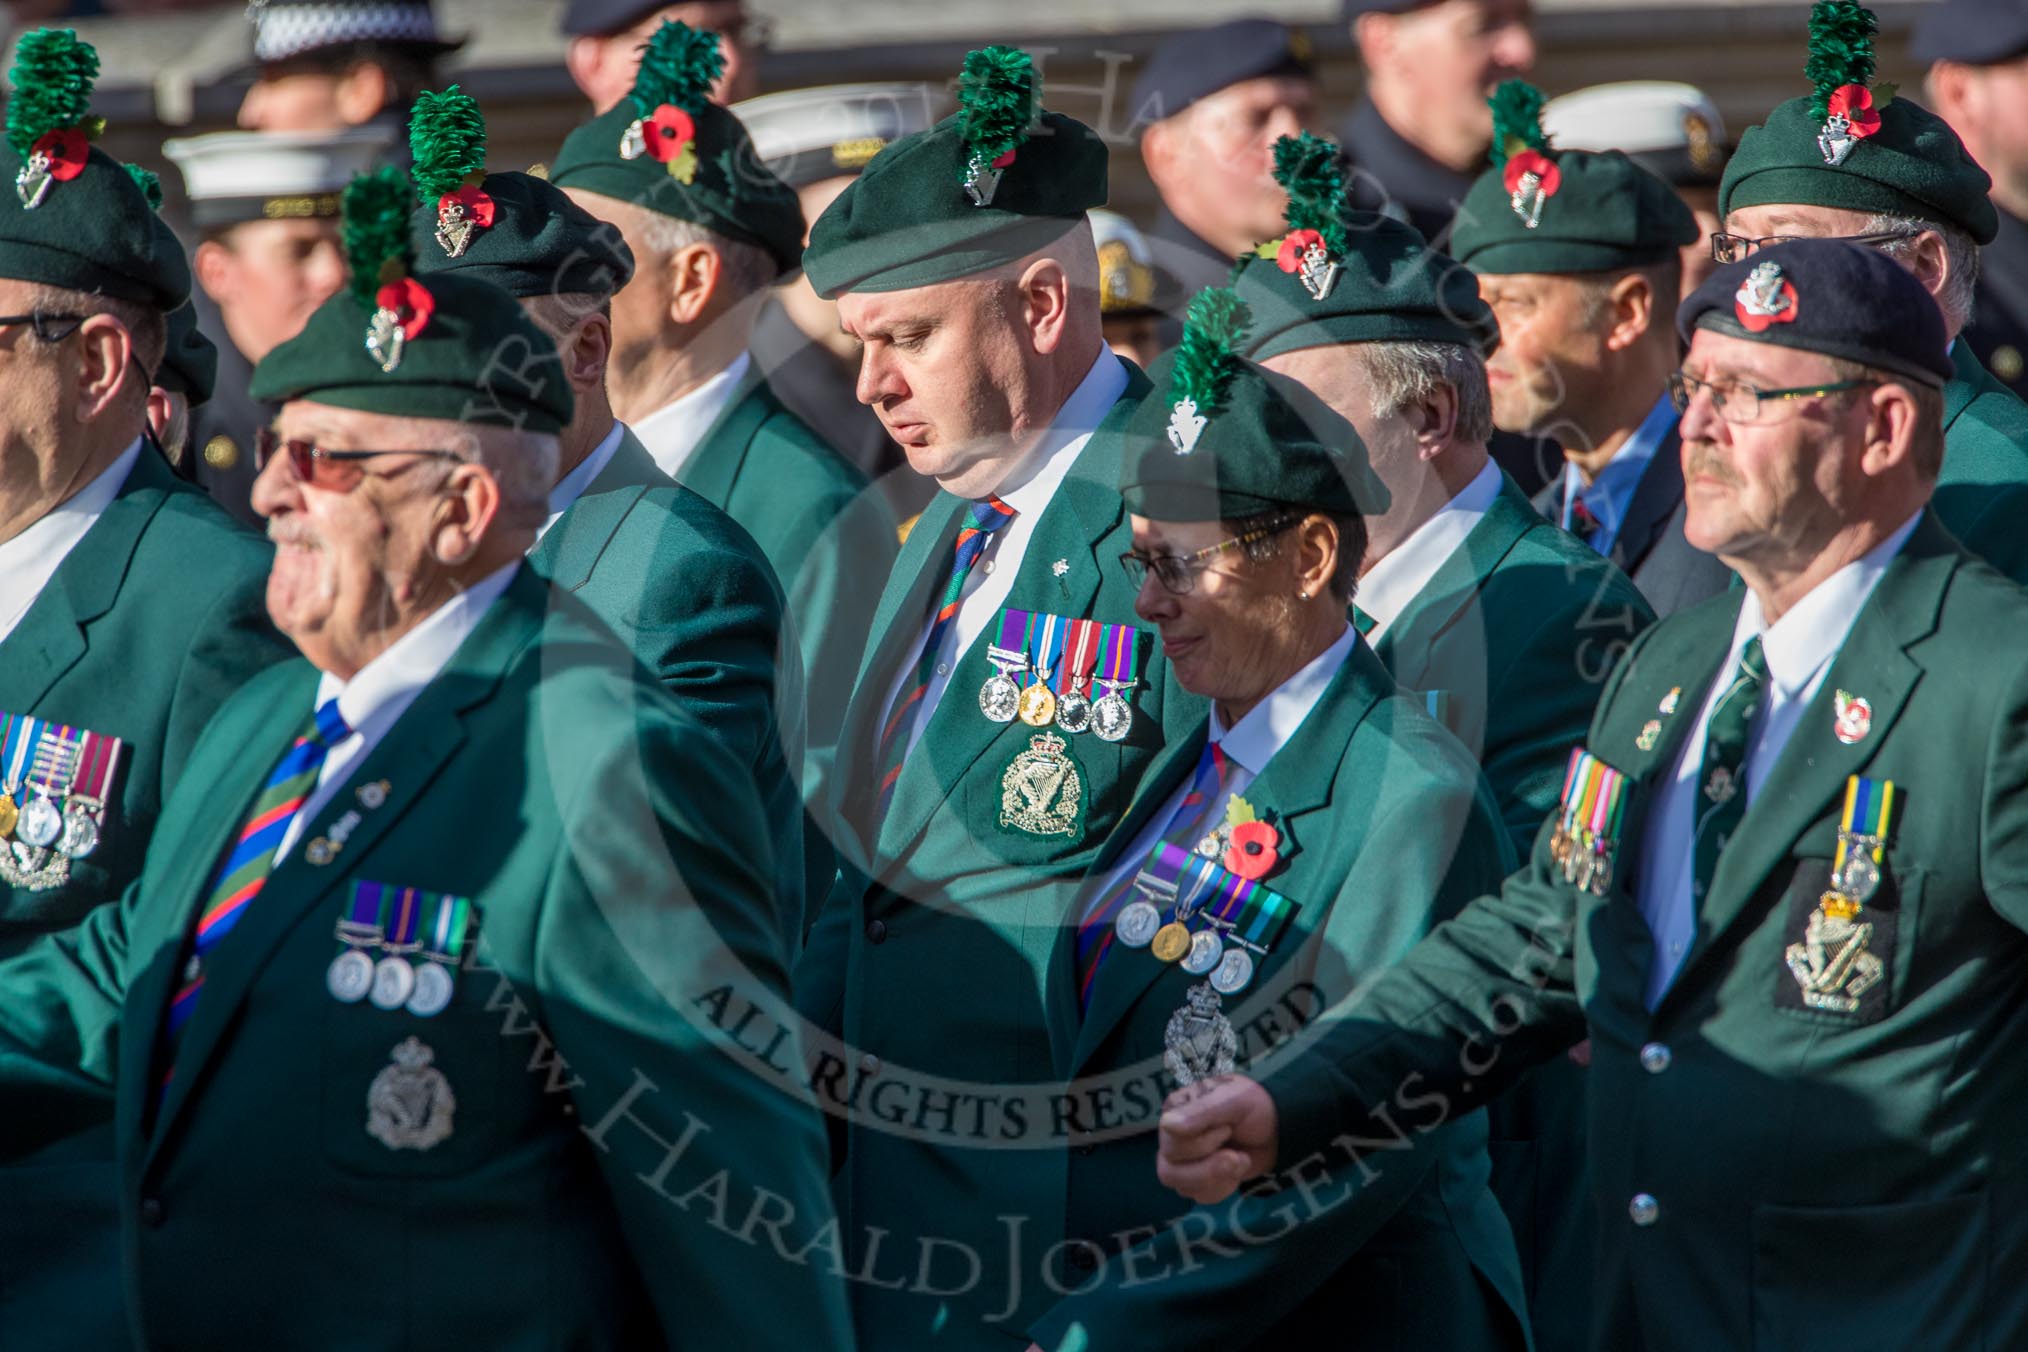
<point x="9" y="814"/>
<point x="1038" y="706"/>
<point x="1172" y="941"/>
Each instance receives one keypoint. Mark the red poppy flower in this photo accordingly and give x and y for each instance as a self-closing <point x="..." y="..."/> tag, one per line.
<point x="1755" y="313"/>
<point x="668" y="132"/>
<point x="411" y="304"/>
<point x="1548" y="176"/>
<point x="66" y="148"/>
<point x="1855" y="103"/>
<point x="1252" y="851"/>
<point x="1004" y="160"/>
<point x="1289" y="258"/>
<point x="478" y="206"/>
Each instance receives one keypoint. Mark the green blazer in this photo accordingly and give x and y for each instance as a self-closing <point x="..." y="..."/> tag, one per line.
<point x="1817" y="1178"/>
<point x="692" y="595"/>
<point x="1982" y="493"/>
<point x="940" y="908"/>
<point x="149" y="624"/>
<point x="1386" y="829"/>
<point x="612" y="851"/>
<point x="829" y="537"/>
<point x="1519" y="629"/>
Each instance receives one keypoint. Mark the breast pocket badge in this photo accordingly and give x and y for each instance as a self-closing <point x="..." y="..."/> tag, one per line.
<point x="409" y="1105"/>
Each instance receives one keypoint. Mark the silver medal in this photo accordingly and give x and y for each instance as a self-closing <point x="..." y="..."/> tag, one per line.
<point x="1112" y="717"/>
<point x="349" y="977"/>
<point x="80" y="832"/>
<point x="1073" y="712"/>
<point x="433" y="987"/>
<point x="1234" y="970"/>
<point x="1860" y="878"/>
<point x="40" y="823"/>
<point x="393" y="983"/>
<point x="1137" y="924"/>
<point x="1205" y="950"/>
<point x="999" y="698"/>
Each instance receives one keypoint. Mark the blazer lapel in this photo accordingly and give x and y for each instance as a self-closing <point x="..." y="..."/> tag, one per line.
<point x="52" y="636"/>
<point x="407" y="758"/>
<point x="1653" y="503"/>
<point x="1407" y="645"/>
<point x="715" y="464"/>
<point x="1807" y="776"/>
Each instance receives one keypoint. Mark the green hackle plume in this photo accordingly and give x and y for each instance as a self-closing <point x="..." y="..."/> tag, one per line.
<point x="1841" y="50"/>
<point x="374" y="216"/>
<point x="447" y="138"/>
<point x="1517" y="120"/>
<point x="1214" y="328"/>
<point x="149" y="184"/>
<point x="52" y="79"/>
<point x="1312" y="171"/>
<point x="996" y="101"/>
<point x="679" y="66"/>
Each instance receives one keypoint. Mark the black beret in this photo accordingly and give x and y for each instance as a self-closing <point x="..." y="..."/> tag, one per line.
<point x="1829" y="296"/>
<point x="1199" y="63"/>
<point x="603" y="18"/>
<point x="1976" y="32"/>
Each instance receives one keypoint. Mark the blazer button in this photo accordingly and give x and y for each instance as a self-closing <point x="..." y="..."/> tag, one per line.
<point x="870" y="1064"/>
<point x="152" y="1213"/>
<point x="1655" y="1058"/>
<point x="1644" y="1210"/>
<point x="876" y="931"/>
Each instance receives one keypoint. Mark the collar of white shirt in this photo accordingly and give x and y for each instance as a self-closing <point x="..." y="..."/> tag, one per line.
<point x="571" y="486"/>
<point x="30" y="559"/>
<point x="1057" y="449"/>
<point x="1392" y="584"/>
<point x="1805" y="639"/>
<point x="1267" y="727"/>
<point x="671" y="433"/>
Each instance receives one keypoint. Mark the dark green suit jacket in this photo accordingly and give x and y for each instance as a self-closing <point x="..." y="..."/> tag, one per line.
<point x="1519" y="629"/>
<point x="149" y="624"/>
<point x="691" y="593"/>
<point x="614" y="855"/>
<point x="828" y="535"/>
<point x="1386" y="829"/>
<point x="940" y="911"/>
<point x="1982" y="494"/>
<point x="1818" y="1179"/>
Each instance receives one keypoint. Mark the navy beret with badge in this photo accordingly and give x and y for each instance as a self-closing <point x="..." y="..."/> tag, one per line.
<point x="519" y="232"/>
<point x="1198" y="63"/>
<point x="1828" y="296"/>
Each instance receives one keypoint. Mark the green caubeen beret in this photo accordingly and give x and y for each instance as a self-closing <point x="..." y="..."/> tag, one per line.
<point x="1854" y="145"/>
<point x="990" y="184"/>
<point x="514" y="230"/>
<point x="1345" y="276"/>
<point x="668" y="148"/>
<point x="76" y="219"/>
<point x="1541" y="210"/>
<point x="1227" y="439"/>
<point x="445" y="346"/>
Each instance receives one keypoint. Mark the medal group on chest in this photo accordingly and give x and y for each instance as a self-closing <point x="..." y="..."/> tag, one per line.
<point x="54" y="787"/>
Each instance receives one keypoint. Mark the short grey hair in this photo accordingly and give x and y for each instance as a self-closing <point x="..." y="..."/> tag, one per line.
<point x="150" y="331"/>
<point x="522" y="462"/>
<point x="749" y="269"/>
<point x="1961" y="253"/>
<point x="1406" y="373"/>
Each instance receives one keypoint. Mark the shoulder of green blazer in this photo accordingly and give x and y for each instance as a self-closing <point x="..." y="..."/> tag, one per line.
<point x="1518" y="630"/>
<point x="1982" y="493"/>
<point x="151" y="621"/>
<point x="633" y="883"/>
<point x="1386" y="830"/>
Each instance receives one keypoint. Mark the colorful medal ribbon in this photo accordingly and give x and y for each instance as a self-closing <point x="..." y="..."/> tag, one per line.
<point x="365" y="917"/>
<point x="1073" y="677"/>
<point x="1015" y="626"/>
<point x="1048" y="648"/>
<point x="407" y="915"/>
<point x="447" y="930"/>
<point x="1594" y="797"/>
<point x="1862" y="844"/>
<point x="1119" y="660"/>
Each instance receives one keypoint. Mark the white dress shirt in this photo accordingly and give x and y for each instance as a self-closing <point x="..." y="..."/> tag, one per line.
<point x="571" y="486"/>
<point x="29" y="560"/>
<point x="1248" y="745"/>
<point x="1391" y="585"/>
<point x="992" y="577"/>
<point x="381" y="691"/>
<point x="671" y="433"/>
<point x="1798" y="649"/>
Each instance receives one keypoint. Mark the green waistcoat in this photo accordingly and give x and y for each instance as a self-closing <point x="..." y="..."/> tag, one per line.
<point x="541" y="1166"/>
<point x="691" y="593"/>
<point x="1386" y="828"/>
<point x="1772" y="1167"/>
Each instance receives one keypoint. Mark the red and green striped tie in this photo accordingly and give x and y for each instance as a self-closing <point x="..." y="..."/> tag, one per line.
<point x="986" y="516"/>
<point x="245" y="869"/>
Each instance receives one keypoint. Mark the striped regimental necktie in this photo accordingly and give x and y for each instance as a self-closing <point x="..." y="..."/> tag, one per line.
<point x="1722" y="785"/>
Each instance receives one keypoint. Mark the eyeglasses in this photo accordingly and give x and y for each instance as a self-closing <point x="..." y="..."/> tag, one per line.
<point x="49" y="328"/>
<point x="1737" y="402"/>
<point x="1178" y="572"/>
<point x="334" y="470"/>
<point x="1731" y="248"/>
